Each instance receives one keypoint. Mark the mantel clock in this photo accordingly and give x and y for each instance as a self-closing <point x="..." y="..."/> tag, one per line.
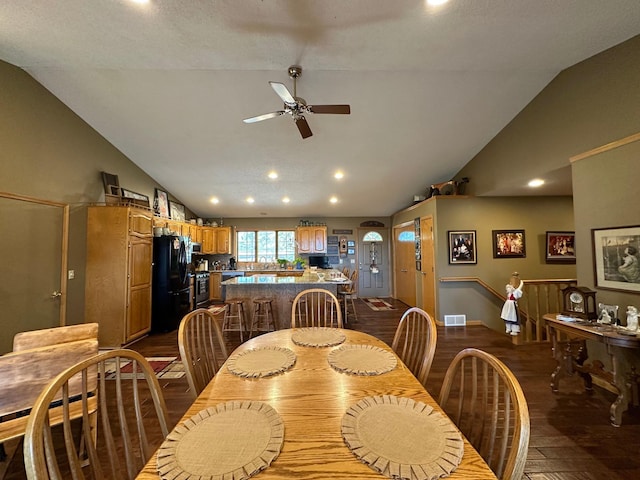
<point x="579" y="302"/>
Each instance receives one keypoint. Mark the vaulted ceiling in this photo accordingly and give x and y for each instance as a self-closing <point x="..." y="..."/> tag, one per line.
<point x="169" y="83"/>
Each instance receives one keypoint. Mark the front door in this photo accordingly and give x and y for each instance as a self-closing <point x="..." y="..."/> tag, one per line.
<point x="33" y="268"/>
<point x="373" y="262"/>
<point x="404" y="260"/>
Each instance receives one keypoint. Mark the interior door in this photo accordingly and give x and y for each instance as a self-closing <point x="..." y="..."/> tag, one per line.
<point x="33" y="286"/>
<point x="404" y="259"/>
<point x="428" y="267"/>
<point x="373" y="263"/>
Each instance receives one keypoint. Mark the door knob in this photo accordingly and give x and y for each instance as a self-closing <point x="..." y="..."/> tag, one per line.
<point x="56" y="294"/>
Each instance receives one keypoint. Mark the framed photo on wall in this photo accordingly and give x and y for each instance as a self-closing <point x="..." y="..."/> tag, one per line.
<point x="560" y="247"/>
<point x="616" y="258"/>
<point x="509" y="244"/>
<point x="161" y="203"/>
<point x="177" y="211"/>
<point x="462" y="247"/>
<point x="135" y="198"/>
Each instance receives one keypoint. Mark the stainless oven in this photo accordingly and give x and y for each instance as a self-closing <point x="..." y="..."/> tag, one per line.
<point x="201" y="287"/>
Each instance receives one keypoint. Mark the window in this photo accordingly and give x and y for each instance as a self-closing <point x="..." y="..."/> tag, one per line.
<point x="372" y="237"/>
<point x="266" y="246"/>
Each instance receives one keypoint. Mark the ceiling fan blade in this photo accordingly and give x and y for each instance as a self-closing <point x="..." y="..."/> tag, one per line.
<point x="266" y="116"/>
<point x="303" y="126"/>
<point x="283" y="93"/>
<point x="341" y="109"/>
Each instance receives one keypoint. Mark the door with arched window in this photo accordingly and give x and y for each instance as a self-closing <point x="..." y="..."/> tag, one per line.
<point x="373" y="262"/>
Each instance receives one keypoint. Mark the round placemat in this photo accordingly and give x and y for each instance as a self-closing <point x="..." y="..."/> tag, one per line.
<point x="261" y="362"/>
<point x="231" y="440"/>
<point x="362" y="360"/>
<point x="318" y="337"/>
<point x="402" y="438"/>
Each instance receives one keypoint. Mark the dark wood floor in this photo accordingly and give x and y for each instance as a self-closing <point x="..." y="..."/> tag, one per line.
<point x="571" y="437"/>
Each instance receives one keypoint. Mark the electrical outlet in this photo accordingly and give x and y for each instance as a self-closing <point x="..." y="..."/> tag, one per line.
<point x="72" y="274"/>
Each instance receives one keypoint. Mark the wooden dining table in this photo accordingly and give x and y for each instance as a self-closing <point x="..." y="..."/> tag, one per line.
<point x="312" y="398"/>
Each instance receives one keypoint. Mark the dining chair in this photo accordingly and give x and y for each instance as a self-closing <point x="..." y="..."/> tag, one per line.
<point x="38" y="356"/>
<point x="202" y="348"/>
<point x="415" y="342"/>
<point x="349" y="292"/>
<point x="131" y="421"/>
<point x="316" y="307"/>
<point x="486" y="402"/>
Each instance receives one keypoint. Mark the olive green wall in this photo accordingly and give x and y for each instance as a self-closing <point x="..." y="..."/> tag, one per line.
<point x="48" y="152"/>
<point x="534" y="215"/>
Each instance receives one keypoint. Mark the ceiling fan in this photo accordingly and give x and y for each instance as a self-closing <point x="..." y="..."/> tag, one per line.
<point x="296" y="106"/>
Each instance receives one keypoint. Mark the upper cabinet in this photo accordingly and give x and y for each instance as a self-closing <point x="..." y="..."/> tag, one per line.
<point x="216" y="240"/>
<point x="312" y="239"/>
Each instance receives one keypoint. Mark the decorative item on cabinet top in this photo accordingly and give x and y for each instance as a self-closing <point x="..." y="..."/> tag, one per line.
<point x="452" y="187"/>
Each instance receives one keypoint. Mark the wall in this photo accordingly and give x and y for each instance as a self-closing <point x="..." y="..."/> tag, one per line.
<point x="534" y="215"/>
<point x="48" y="152"/>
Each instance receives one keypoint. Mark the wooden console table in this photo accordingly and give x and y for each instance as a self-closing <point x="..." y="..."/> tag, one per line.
<point x="571" y="354"/>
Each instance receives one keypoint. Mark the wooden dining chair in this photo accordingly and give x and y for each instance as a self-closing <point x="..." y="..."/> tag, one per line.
<point x="132" y="420"/>
<point x="349" y="292"/>
<point x="316" y="307"/>
<point x="38" y="356"/>
<point x="202" y="348"/>
<point x="415" y="342"/>
<point x="485" y="400"/>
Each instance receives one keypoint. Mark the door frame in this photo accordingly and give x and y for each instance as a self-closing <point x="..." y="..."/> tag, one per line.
<point x="395" y="228"/>
<point x="64" y="258"/>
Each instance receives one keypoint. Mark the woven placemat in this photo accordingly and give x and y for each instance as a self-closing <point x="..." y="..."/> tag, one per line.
<point x="362" y="360"/>
<point x="402" y="438"/>
<point x="233" y="440"/>
<point x="318" y="337"/>
<point x="261" y="362"/>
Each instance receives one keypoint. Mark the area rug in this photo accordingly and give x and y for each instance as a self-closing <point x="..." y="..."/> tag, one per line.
<point x="164" y="367"/>
<point x="377" y="304"/>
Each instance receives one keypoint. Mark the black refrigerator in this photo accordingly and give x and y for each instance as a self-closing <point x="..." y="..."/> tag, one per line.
<point x="171" y="292"/>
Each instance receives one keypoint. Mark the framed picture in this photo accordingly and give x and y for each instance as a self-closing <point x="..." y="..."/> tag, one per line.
<point x="111" y="183"/>
<point x="418" y="265"/>
<point x="177" y="211"/>
<point x="560" y="247"/>
<point x="462" y="247"/>
<point x="509" y="244"/>
<point x="416" y="226"/>
<point x="351" y="251"/>
<point x="351" y="243"/>
<point x="135" y="198"/>
<point x="161" y="203"/>
<point x="616" y="260"/>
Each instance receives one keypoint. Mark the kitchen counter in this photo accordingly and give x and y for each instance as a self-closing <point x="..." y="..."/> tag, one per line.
<point x="281" y="289"/>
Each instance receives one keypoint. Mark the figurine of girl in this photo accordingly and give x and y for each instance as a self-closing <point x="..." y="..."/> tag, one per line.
<point x="510" y="308"/>
<point x="632" y="318"/>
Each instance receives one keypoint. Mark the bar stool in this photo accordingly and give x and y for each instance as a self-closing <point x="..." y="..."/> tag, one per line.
<point x="262" y="319"/>
<point x="234" y="317"/>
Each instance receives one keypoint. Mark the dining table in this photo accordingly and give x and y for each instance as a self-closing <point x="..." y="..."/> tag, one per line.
<point x="313" y="402"/>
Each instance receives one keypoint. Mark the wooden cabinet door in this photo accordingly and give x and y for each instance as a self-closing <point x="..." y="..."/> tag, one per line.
<point x="319" y="239"/>
<point x="215" y="289"/>
<point x="138" y="319"/>
<point x="208" y="240"/>
<point x="223" y="240"/>
<point x="140" y="223"/>
<point x="304" y="239"/>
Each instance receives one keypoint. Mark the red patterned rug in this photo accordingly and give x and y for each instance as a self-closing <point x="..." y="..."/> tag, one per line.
<point x="377" y="304"/>
<point x="164" y="367"/>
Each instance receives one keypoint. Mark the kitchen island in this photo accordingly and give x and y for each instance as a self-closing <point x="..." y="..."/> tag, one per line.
<point x="282" y="290"/>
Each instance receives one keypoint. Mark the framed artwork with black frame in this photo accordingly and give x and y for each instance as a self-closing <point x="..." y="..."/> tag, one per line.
<point x="462" y="247"/>
<point x="509" y="244"/>
<point x="111" y="183"/>
<point x="616" y="258"/>
<point x="177" y="211"/>
<point x="161" y="203"/>
<point x="560" y="247"/>
<point x="135" y="198"/>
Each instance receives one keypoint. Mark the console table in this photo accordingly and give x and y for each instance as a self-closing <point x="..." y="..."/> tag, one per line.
<point x="570" y="351"/>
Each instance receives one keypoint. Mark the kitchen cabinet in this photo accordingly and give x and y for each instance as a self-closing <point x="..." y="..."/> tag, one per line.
<point x="215" y="289"/>
<point x="208" y="240"/>
<point x="223" y="240"/>
<point x="118" y="273"/>
<point x="312" y="239"/>
<point x="194" y="232"/>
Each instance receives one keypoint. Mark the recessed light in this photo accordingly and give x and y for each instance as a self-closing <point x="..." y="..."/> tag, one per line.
<point x="333" y="199"/>
<point x="141" y="2"/>
<point x="250" y="200"/>
<point x="536" y="182"/>
<point x="273" y="175"/>
<point x="214" y="200"/>
<point x="435" y="3"/>
<point x="338" y="175"/>
<point x="285" y="200"/>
